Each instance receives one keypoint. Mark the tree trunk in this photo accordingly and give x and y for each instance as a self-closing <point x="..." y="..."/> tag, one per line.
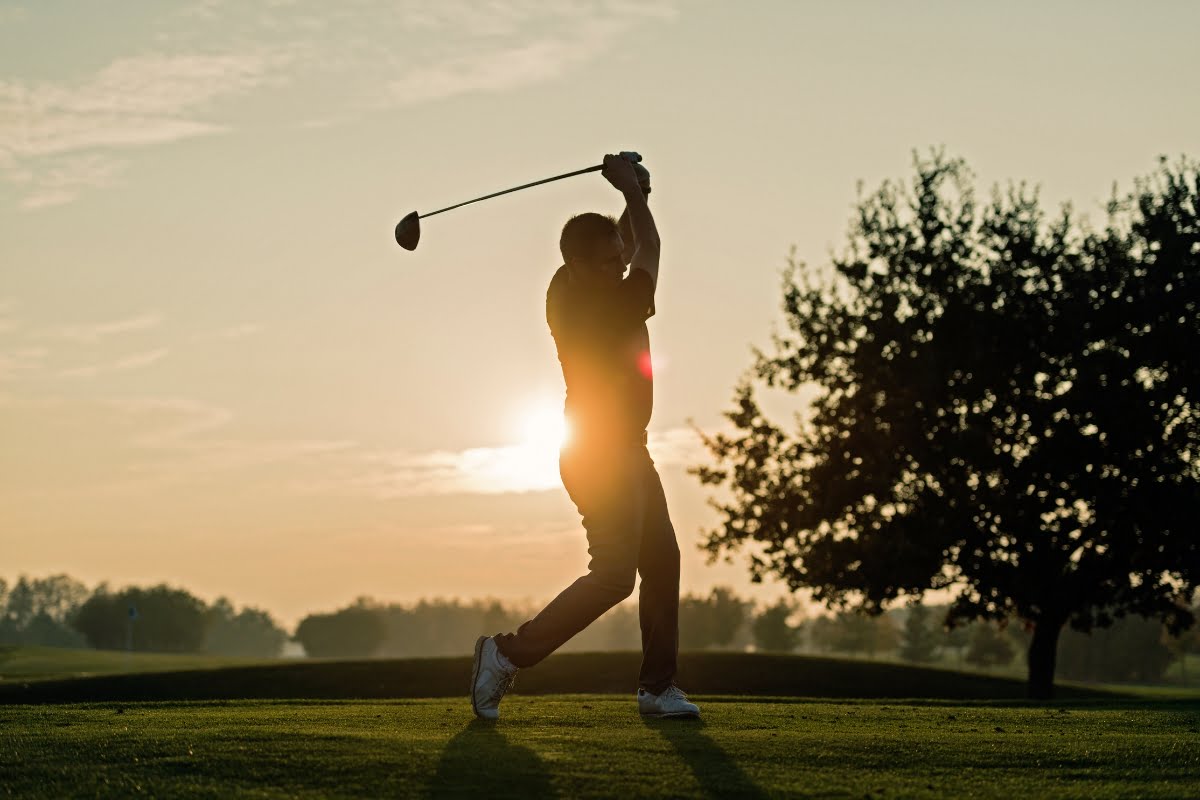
<point x="1043" y="651"/>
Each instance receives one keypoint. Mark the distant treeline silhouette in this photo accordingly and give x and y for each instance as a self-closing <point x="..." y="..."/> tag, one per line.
<point x="60" y="611"/>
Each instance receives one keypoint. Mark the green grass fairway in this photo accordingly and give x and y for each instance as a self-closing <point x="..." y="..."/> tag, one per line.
<point x="587" y="745"/>
<point x="38" y="663"/>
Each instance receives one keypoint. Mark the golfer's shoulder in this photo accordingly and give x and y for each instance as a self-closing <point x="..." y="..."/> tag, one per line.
<point x="556" y="297"/>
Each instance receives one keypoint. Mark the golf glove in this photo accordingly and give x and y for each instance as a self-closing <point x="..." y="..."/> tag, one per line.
<point x="643" y="174"/>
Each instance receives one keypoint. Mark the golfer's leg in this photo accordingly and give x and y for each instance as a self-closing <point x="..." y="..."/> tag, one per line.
<point x="658" y="603"/>
<point x="613" y="522"/>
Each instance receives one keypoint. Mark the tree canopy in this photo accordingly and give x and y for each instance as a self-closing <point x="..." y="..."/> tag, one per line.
<point x="1005" y="408"/>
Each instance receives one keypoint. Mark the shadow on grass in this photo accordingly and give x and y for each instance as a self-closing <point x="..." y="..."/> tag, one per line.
<point x="717" y="774"/>
<point x="480" y="761"/>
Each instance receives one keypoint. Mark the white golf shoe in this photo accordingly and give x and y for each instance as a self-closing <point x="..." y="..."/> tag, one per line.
<point x="489" y="679"/>
<point x="672" y="703"/>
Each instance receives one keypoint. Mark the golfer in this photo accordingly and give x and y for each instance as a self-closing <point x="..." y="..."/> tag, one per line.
<point x="598" y="320"/>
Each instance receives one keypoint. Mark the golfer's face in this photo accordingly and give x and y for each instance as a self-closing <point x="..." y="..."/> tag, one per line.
<point x="605" y="261"/>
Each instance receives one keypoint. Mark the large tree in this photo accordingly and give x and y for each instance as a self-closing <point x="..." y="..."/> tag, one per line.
<point x="1004" y="407"/>
<point x="157" y="619"/>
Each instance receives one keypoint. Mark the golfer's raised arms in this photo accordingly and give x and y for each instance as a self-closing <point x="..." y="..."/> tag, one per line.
<point x="621" y="174"/>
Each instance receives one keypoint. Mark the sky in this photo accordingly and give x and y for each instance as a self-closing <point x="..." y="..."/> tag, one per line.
<point x="218" y="370"/>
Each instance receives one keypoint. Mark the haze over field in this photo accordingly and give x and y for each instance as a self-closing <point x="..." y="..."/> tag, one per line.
<point x="217" y="369"/>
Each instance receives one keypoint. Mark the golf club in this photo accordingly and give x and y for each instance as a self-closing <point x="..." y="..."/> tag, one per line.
<point x="408" y="230"/>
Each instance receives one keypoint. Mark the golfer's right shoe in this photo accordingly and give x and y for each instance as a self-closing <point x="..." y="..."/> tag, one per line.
<point x="671" y="704"/>
<point x="489" y="679"/>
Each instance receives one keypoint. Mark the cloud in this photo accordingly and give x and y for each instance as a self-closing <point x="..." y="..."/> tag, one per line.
<point x="50" y="131"/>
<point x="20" y="360"/>
<point x="186" y="418"/>
<point x="67" y="178"/>
<point x="133" y="361"/>
<point x="513" y="468"/>
<point x="229" y="333"/>
<point x="94" y="332"/>
<point x="132" y="101"/>
<point x="177" y="441"/>
<point x="498" y="53"/>
<point x="490" y="71"/>
<point x="61" y="138"/>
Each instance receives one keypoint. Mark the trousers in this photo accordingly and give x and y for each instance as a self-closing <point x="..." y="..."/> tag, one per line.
<point x="620" y="497"/>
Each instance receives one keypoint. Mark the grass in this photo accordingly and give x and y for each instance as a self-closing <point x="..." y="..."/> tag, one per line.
<point x="593" y="746"/>
<point x="26" y="663"/>
<point x="773" y="726"/>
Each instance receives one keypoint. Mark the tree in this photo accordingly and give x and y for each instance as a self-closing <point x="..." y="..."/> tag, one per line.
<point x="919" y="642"/>
<point x="854" y="632"/>
<point x="1134" y="649"/>
<point x="987" y="646"/>
<point x="1186" y="643"/>
<point x="1005" y="407"/>
<point x="163" y="620"/>
<point x="956" y="638"/>
<point x="250" y="632"/>
<point x="37" y="610"/>
<point x="712" y="621"/>
<point x="772" y="630"/>
<point x="353" y="632"/>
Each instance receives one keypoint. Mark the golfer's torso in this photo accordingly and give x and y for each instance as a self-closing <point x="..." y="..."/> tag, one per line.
<point x="604" y="348"/>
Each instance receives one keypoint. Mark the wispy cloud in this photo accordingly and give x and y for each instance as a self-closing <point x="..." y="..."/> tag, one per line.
<point x="66" y="179"/>
<point x="239" y="331"/>
<point x="14" y="363"/>
<point x="514" y="468"/>
<point x="132" y="361"/>
<point x="171" y="420"/>
<point x="178" y="441"/>
<point x="94" y="332"/>
<point x="56" y="137"/>
<point x="60" y="138"/>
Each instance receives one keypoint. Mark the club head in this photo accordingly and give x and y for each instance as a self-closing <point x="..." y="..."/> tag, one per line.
<point x="408" y="231"/>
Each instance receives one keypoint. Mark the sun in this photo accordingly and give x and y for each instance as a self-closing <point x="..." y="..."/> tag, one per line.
<point x="543" y="427"/>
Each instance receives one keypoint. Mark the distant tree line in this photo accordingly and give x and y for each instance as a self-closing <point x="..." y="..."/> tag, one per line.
<point x="60" y="611"/>
<point x="365" y="628"/>
<point x="1133" y="649"/>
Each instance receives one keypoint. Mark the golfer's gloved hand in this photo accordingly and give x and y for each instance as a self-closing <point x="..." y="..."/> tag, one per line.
<point x="643" y="174"/>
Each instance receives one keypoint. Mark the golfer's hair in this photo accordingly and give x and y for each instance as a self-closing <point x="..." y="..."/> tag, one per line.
<point x="582" y="232"/>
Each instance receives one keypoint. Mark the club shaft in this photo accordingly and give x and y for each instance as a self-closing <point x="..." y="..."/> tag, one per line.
<point x="596" y="168"/>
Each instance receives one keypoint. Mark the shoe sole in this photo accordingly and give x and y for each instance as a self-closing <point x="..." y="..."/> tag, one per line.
<point x="475" y="671"/>
<point x="672" y="715"/>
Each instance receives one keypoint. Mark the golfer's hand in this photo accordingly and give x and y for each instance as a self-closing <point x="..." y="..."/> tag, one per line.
<point x="620" y="173"/>
<point x="643" y="177"/>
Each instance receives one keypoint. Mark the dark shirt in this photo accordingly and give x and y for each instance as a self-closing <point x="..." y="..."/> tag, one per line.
<point x="604" y="349"/>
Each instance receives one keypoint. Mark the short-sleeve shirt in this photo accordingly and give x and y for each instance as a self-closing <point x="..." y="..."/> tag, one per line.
<point x="604" y="349"/>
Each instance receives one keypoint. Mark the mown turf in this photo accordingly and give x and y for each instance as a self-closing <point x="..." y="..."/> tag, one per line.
<point x="24" y="663"/>
<point x="592" y="746"/>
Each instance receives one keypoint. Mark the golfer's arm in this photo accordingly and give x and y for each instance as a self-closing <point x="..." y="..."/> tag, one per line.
<point x="645" y="234"/>
<point x="626" y="231"/>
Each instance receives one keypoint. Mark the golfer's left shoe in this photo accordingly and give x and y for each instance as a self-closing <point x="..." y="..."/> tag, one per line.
<point x="490" y="679"/>
<point x="671" y="704"/>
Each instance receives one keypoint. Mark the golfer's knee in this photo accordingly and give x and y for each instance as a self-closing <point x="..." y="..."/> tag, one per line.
<point x="663" y="568"/>
<point x="617" y="585"/>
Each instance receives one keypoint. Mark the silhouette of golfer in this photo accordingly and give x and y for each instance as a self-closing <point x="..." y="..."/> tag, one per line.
<point x="598" y="321"/>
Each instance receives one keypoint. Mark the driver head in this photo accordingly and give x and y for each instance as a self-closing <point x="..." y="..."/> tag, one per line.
<point x="591" y="248"/>
<point x="408" y="231"/>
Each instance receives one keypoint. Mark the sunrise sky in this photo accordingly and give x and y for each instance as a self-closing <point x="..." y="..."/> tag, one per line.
<point x="217" y="369"/>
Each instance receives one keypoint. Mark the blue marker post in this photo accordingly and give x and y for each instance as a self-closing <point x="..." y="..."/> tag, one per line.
<point x="133" y="615"/>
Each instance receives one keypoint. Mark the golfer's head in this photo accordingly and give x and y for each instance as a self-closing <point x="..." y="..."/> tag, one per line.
<point x="591" y="246"/>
